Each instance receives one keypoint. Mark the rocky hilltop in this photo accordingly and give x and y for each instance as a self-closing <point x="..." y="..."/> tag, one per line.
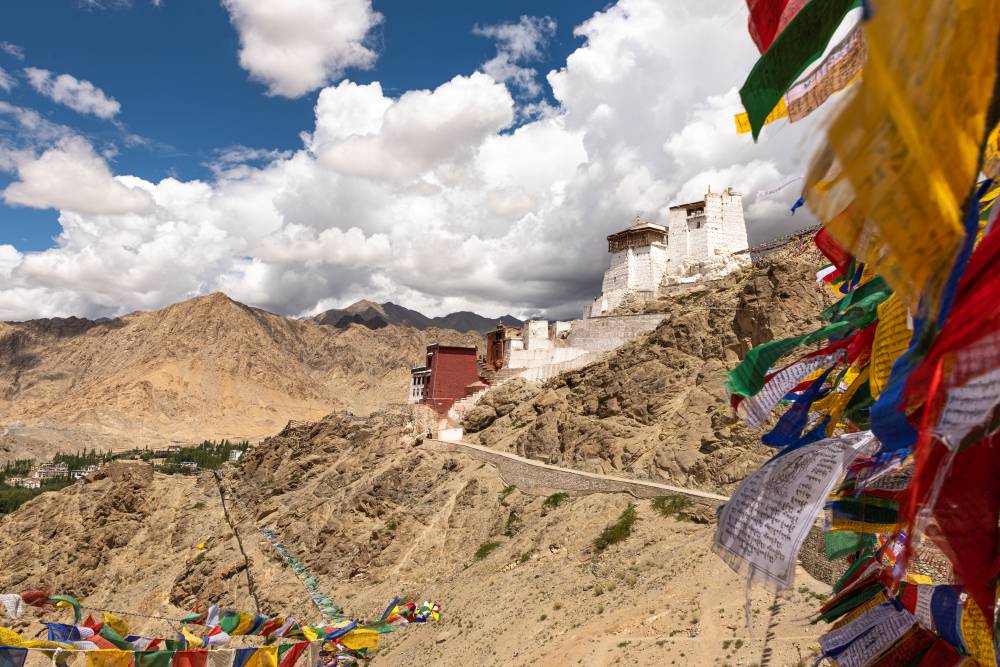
<point x="205" y="368"/>
<point x="657" y="407"/>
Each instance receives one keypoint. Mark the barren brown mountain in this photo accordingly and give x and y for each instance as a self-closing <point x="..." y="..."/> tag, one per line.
<point x="205" y="368"/>
<point x="374" y="512"/>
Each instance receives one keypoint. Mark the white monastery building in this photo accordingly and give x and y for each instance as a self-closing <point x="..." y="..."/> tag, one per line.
<point x="699" y="242"/>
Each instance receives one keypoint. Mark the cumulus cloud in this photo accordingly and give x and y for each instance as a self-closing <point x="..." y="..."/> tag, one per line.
<point x="430" y="198"/>
<point x="72" y="177"/>
<point x="6" y="80"/>
<point x="295" y="46"/>
<point x="421" y="130"/>
<point x="12" y="50"/>
<point x="79" y="95"/>
<point x="22" y="128"/>
<point x="517" y="43"/>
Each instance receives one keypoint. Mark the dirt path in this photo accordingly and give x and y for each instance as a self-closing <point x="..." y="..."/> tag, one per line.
<point x="540" y="478"/>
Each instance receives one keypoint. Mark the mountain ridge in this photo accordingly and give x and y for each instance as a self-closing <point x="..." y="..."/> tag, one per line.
<point x="378" y="315"/>
<point x="208" y="367"/>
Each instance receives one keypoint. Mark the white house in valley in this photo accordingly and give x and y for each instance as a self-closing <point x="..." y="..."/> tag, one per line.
<point x="699" y="241"/>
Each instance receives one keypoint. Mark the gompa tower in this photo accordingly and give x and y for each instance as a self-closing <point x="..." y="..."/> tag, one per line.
<point x="699" y="241"/>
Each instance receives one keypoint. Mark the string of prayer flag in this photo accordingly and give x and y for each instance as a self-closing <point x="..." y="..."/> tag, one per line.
<point x="799" y="45"/>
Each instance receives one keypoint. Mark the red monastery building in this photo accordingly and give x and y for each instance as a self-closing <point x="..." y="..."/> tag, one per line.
<point x="445" y="378"/>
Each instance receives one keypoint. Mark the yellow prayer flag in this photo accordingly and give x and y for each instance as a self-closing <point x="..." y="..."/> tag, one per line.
<point x="194" y="642"/>
<point x="977" y="635"/>
<point x="359" y="639"/>
<point x="903" y="152"/>
<point x="45" y="643"/>
<point x="991" y="158"/>
<point x="989" y="196"/>
<point x="246" y="622"/>
<point x="840" y="406"/>
<point x="310" y="634"/>
<point x="119" y="625"/>
<point x="892" y="338"/>
<point x="743" y="121"/>
<point x="265" y="656"/>
<point x="109" y="658"/>
<point x="9" y="638"/>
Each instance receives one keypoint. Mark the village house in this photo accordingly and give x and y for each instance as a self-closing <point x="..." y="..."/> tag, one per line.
<point x="51" y="471"/>
<point x="499" y="343"/>
<point x="446" y="377"/>
<point x="80" y="473"/>
<point x="25" y="482"/>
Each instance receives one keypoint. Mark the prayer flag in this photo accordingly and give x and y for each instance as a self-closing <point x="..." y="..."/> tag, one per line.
<point x="119" y="625"/>
<point x="153" y="658"/>
<point x="799" y="45"/>
<point x="9" y="638"/>
<point x="63" y="632"/>
<point x="288" y="654"/>
<point x="12" y="657"/>
<point x="906" y="146"/>
<point x="840" y="69"/>
<point x="225" y="658"/>
<point x="109" y="658"/>
<point x="265" y="656"/>
<point x="191" y="658"/>
<point x="762" y="527"/>
<point x="360" y="638"/>
<point x="13" y="604"/>
<point x="768" y="18"/>
<point x="777" y="113"/>
<point x="67" y="602"/>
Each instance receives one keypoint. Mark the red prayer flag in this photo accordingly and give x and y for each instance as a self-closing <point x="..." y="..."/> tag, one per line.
<point x="833" y="251"/>
<point x="769" y="17"/>
<point x="197" y="658"/>
<point x="966" y="512"/>
<point x="292" y="654"/>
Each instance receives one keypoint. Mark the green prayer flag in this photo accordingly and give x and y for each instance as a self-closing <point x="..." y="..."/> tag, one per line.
<point x="841" y="543"/>
<point x="115" y="638"/>
<point x="852" y="601"/>
<point x="748" y="378"/>
<point x="153" y="658"/>
<point x="876" y="285"/>
<point x="229" y="622"/>
<point x="798" y="46"/>
<point x="72" y="602"/>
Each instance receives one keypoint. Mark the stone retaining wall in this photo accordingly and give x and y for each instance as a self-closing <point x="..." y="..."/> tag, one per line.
<point x="603" y="334"/>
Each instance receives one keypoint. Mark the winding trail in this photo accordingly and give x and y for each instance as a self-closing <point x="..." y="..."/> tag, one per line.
<point x="540" y="478"/>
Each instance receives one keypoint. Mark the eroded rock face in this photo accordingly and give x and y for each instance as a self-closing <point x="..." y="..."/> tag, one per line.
<point x="657" y="407"/>
<point x="373" y="516"/>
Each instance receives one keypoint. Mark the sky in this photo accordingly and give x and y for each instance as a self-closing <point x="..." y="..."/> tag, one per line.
<point x="299" y="155"/>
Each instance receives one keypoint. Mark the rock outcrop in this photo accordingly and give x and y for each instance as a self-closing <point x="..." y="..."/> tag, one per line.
<point x="657" y="407"/>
